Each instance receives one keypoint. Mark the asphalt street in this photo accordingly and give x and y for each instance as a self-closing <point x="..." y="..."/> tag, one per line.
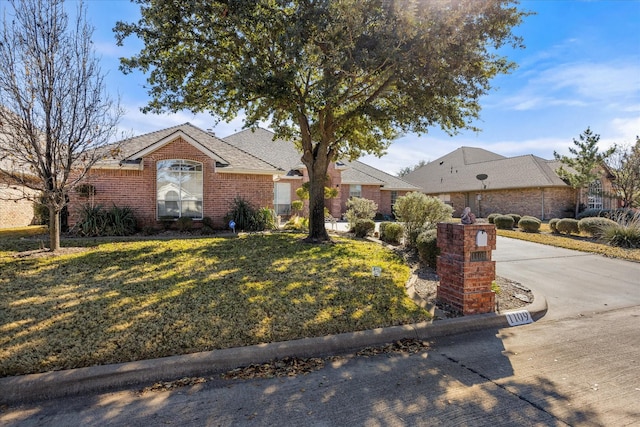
<point x="578" y="366"/>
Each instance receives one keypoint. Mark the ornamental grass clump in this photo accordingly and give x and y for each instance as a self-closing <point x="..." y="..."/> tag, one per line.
<point x="529" y="224"/>
<point x="504" y="222"/>
<point x="623" y="234"/>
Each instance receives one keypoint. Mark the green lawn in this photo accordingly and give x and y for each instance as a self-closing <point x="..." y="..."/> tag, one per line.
<point x="132" y="300"/>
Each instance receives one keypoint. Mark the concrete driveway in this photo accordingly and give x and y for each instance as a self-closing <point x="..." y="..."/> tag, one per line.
<point x="574" y="283"/>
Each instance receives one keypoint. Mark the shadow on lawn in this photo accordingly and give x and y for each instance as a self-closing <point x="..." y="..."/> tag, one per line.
<point x="128" y="301"/>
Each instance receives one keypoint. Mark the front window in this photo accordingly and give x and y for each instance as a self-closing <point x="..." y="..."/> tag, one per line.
<point x="595" y="195"/>
<point x="282" y="198"/>
<point x="355" y="190"/>
<point x="179" y="184"/>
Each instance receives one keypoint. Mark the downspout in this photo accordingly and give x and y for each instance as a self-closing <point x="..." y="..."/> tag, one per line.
<point x="542" y="213"/>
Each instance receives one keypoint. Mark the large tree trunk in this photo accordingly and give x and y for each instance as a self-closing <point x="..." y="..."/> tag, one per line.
<point x="54" y="229"/>
<point x="317" y="169"/>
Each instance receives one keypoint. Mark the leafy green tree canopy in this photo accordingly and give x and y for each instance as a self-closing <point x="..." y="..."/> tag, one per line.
<point x="339" y="78"/>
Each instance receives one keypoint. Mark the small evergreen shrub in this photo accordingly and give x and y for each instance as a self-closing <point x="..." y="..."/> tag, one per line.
<point x="418" y="212"/>
<point x="595" y="225"/>
<point x="529" y="224"/>
<point x="206" y="230"/>
<point x="553" y="225"/>
<point x="207" y="221"/>
<point x="427" y="245"/>
<point x="504" y="222"/>
<point x="516" y="218"/>
<point x="184" y="224"/>
<point x="264" y="219"/>
<point x="393" y="232"/>
<point x="567" y="226"/>
<point x="492" y="216"/>
<point x="359" y="208"/>
<point x="382" y="228"/>
<point x="364" y="227"/>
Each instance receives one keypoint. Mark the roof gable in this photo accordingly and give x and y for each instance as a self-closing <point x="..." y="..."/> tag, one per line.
<point x="228" y="157"/>
<point x="179" y="133"/>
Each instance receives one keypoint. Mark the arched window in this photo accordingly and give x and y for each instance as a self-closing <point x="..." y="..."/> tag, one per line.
<point x="179" y="186"/>
<point x="595" y="195"/>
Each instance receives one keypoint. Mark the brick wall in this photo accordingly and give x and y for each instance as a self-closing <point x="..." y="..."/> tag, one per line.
<point x="15" y="210"/>
<point x="542" y="203"/>
<point x="137" y="189"/>
<point x="465" y="268"/>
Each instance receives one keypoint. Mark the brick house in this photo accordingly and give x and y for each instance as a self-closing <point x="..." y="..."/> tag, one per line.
<point x="185" y="171"/>
<point x="16" y="201"/>
<point x="490" y="183"/>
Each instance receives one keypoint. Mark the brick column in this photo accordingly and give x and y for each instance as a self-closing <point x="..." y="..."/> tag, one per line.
<point x="465" y="267"/>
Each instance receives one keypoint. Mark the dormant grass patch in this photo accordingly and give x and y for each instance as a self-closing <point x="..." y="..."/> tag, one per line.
<point x="132" y="300"/>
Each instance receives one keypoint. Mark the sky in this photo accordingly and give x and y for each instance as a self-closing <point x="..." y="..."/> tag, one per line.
<point x="580" y="68"/>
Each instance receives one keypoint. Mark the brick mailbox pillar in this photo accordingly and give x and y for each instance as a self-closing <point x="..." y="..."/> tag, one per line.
<point x="465" y="267"/>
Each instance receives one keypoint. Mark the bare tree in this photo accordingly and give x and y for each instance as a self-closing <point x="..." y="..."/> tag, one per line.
<point x="55" y="113"/>
<point x="624" y="165"/>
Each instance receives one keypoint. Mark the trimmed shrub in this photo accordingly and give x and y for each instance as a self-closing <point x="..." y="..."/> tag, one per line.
<point x="516" y="218"/>
<point x="428" y="247"/>
<point x="184" y="224"/>
<point x="382" y="228"/>
<point x="553" y="222"/>
<point x="567" y="226"/>
<point x="492" y="216"/>
<point x="592" y="212"/>
<point x="393" y="232"/>
<point x="364" y="227"/>
<point x="594" y="226"/>
<point x="529" y="224"/>
<point x="504" y="222"/>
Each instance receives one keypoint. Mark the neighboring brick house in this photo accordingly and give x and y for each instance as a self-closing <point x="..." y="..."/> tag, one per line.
<point x="16" y="201"/>
<point x="185" y="171"/>
<point x="490" y="183"/>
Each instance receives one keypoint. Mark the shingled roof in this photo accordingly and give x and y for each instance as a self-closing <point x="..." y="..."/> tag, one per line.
<point x="458" y="171"/>
<point x="261" y="143"/>
<point x="228" y="157"/>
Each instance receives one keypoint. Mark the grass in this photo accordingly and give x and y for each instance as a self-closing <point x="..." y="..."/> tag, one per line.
<point x="130" y="300"/>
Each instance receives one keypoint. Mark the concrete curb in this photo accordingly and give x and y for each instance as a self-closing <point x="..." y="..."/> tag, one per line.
<point x="53" y="385"/>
